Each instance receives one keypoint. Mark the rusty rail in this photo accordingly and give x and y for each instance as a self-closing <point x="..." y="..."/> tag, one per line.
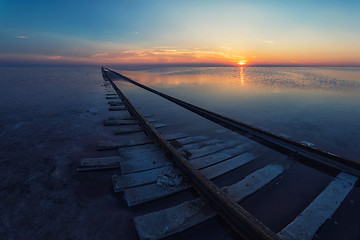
<point x="241" y="221"/>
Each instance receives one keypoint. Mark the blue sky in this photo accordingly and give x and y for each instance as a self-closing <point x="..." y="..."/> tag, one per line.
<point x="261" y="32"/>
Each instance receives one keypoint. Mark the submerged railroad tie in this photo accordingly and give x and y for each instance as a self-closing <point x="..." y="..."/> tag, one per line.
<point x="119" y="122"/>
<point x="143" y="172"/>
<point x="321" y="209"/>
<point x="242" y="222"/>
<point x="166" y="222"/>
<point x="116" y="103"/>
<point x="136" y="128"/>
<point x="276" y="142"/>
<point x="149" y="165"/>
<point x="109" y="145"/>
<point x="92" y="164"/>
<point x="142" y="194"/>
<point x="112" y="97"/>
<point x="134" y="162"/>
<point x="117" y="108"/>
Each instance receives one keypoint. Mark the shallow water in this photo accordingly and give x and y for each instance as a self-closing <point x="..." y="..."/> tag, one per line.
<point x="42" y="105"/>
<point x="318" y="105"/>
<point x="29" y="93"/>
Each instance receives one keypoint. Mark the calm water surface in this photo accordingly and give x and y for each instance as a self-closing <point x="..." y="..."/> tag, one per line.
<point x="43" y="104"/>
<point x="317" y="105"/>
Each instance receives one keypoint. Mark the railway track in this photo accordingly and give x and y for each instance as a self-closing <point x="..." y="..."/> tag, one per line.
<point x="155" y="166"/>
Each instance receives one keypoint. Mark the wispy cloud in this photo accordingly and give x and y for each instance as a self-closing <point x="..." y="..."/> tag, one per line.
<point x="22" y="37"/>
<point x="164" y="47"/>
<point x="269" y="42"/>
<point x="305" y="62"/>
<point x="54" y="57"/>
<point x="226" y="48"/>
<point x="168" y="55"/>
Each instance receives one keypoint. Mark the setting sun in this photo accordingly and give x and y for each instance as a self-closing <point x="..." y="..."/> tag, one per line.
<point x="242" y="63"/>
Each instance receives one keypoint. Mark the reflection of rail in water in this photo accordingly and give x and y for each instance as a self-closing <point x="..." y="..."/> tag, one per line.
<point x="148" y="174"/>
<point x="278" y="143"/>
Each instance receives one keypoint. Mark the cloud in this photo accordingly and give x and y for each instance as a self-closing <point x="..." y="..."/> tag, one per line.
<point x="226" y="48"/>
<point x="304" y="62"/>
<point x="167" y="55"/>
<point x="269" y="42"/>
<point x="163" y="55"/>
<point x="22" y="37"/>
<point x="164" y="47"/>
<point x="54" y="57"/>
<point x="114" y="55"/>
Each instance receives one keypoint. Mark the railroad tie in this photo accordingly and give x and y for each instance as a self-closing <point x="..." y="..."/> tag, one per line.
<point x="108" y="145"/>
<point x="120" y="122"/>
<point x="166" y="222"/>
<point x="117" y="108"/>
<point x="116" y="103"/>
<point x="151" y="162"/>
<point x="90" y="164"/>
<point x="152" y="191"/>
<point x="112" y="97"/>
<point x="322" y="208"/>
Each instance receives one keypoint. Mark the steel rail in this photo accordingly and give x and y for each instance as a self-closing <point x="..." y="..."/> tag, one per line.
<point x="241" y="221"/>
<point x="278" y="143"/>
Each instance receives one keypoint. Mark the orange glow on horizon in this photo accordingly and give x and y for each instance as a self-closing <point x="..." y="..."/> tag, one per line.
<point x="243" y="62"/>
<point x="194" y="56"/>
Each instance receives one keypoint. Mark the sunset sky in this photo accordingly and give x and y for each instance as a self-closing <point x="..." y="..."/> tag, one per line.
<point x="180" y="32"/>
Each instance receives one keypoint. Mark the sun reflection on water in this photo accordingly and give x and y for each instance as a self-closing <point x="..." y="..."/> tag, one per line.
<point x="242" y="76"/>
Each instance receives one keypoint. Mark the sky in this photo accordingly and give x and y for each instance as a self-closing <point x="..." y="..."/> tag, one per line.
<point x="190" y="32"/>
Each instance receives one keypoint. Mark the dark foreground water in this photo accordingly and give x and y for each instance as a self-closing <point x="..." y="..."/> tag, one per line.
<point x="319" y="106"/>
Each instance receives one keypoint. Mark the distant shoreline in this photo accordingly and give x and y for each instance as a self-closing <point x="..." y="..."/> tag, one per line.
<point x="147" y="66"/>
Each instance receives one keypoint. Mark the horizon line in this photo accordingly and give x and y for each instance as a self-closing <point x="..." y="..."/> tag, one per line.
<point x="150" y="65"/>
